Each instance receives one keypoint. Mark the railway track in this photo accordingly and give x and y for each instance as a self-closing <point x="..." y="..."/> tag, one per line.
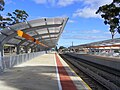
<point x="98" y="77"/>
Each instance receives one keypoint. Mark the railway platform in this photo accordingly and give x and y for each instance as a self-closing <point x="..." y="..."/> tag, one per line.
<point x="46" y="72"/>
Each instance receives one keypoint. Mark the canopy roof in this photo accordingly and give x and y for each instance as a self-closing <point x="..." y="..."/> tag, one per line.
<point x="46" y="30"/>
<point x="105" y="43"/>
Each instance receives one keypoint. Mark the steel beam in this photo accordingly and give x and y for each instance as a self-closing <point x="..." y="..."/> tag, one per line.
<point x="27" y="30"/>
<point x="36" y="36"/>
<point x="28" y="37"/>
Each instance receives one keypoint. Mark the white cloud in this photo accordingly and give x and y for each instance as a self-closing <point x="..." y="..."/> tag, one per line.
<point x="9" y="2"/>
<point x="87" y="37"/>
<point x="52" y="2"/>
<point x="40" y="1"/>
<point x="84" y="32"/>
<point x="90" y="7"/>
<point x="56" y="2"/>
<point x="66" y="2"/>
<point x="96" y="31"/>
<point x="92" y="31"/>
<point x="88" y="10"/>
<point x="107" y="33"/>
<point x="96" y="3"/>
<point x="71" y="21"/>
<point x="86" y="13"/>
<point x="69" y="2"/>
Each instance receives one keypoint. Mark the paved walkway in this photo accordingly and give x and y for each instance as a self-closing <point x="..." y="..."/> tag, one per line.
<point x="41" y="73"/>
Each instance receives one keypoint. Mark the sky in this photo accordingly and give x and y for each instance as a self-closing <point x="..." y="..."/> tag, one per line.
<point x="83" y="26"/>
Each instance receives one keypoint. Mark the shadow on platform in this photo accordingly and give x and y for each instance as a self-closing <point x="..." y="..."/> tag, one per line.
<point x="30" y="78"/>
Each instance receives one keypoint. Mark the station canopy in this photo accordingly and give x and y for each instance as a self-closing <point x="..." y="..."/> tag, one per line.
<point x="46" y="30"/>
<point x="106" y="43"/>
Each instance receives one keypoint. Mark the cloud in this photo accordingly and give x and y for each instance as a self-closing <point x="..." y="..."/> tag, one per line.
<point x="83" y="32"/>
<point x="40" y="1"/>
<point x="92" y="31"/>
<point x="71" y="21"/>
<point x="90" y="8"/>
<point x="52" y="2"/>
<point x="66" y="2"/>
<point x="86" y="13"/>
<point x="96" y="3"/>
<point x="70" y="2"/>
<point x="61" y="3"/>
<point x="87" y="37"/>
<point x="9" y="2"/>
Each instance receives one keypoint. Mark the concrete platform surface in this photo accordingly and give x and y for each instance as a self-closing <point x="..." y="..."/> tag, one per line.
<point x="41" y="73"/>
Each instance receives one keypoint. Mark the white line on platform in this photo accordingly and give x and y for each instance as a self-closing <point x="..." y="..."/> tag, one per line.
<point x="58" y="77"/>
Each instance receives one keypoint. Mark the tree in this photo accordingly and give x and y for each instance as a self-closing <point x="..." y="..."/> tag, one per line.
<point x="2" y="3"/>
<point x="111" y="14"/>
<point x="17" y="16"/>
<point x="62" y="47"/>
<point x="2" y="23"/>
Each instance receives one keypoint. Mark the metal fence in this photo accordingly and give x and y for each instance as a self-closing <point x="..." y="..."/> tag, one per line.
<point x="10" y="61"/>
<point x="107" y="54"/>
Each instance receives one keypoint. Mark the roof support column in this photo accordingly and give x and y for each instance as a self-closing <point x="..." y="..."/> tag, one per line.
<point x="32" y="49"/>
<point x="94" y="51"/>
<point x="91" y="50"/>
<point x="98" y="51"/>
<point x="26" y="49"/>
<point x="18" y="50"/>
<point x="45" y="50"/>
<point x="1" y="55"/>
<point x="1" y="50"/>
<point x="35" y="49"/>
